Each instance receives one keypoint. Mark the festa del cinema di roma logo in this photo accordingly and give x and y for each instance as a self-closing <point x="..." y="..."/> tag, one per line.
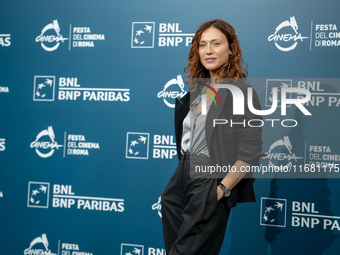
<point x="287" y="40"/>
<point x="50" y="41"/>
<point x="281" y="151"/>
<point x="50" y="37"/>
<point x="45" y="148"/>
<point x="74" y="144"/>
<point x="39" y="245"/>
<point x="169" y="93"/>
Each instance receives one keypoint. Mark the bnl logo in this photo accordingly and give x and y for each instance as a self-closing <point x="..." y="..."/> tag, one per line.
<point x="273" y="212"/>
<point x="43" y="88"/>
<point x="131" y="249"/>
<point x="137" y="146"/>
<point x="143" y="34"/>
<point x="38" y="194"/>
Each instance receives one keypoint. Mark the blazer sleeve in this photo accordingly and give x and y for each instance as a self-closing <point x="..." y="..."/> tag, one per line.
<point x="249" y="137"/>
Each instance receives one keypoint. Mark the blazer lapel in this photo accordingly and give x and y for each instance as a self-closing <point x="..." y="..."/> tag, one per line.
<point x="182" y="107"/>
<point x="215" y="113"/>
<point x="181" y="110"/>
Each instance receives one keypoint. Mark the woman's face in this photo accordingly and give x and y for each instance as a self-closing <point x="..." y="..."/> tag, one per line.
<point x="213" y="50"/>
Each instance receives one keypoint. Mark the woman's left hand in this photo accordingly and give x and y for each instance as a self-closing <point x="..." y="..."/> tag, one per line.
<point x="220" y="193"/>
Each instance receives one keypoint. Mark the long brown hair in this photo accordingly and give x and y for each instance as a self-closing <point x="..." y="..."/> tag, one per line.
<point x="235" y="66"/>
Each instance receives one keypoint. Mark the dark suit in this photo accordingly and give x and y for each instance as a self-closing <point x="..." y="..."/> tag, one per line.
<point x="227" y="144"/>
<point x="194" y="223"/>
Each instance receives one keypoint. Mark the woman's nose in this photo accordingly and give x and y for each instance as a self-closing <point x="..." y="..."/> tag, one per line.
<point x="209" y="49"/>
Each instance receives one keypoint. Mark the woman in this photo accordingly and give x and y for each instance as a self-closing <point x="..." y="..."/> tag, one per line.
<point x="195" y="208"/>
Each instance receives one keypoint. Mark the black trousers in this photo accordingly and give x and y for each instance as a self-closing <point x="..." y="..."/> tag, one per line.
<point x="194" y="223"/>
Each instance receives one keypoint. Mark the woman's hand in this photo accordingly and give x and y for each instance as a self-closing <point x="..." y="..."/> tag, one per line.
<point x="220" y="193"/>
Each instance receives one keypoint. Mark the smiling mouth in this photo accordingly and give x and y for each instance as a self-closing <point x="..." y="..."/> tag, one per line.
<point x="209" y="60"/>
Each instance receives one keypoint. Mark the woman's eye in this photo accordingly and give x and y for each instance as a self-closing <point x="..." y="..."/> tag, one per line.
<point x="202" y="45"/>
<point x="216" y="44"/>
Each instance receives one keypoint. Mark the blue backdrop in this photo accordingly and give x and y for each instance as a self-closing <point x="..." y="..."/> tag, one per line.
<point x="87" y="140"/>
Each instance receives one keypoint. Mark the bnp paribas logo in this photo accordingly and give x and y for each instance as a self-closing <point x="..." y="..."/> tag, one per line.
<point x="38" y="194"/>
<point x="137" y="145"/>
<point x="131" y="249"/>
<point x="143" y="35"/>
<point x="44" y="87"/>
<point x="273" y="212"/>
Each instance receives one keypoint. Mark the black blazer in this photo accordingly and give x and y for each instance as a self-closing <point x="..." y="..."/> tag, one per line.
<point x="227" y="144"/>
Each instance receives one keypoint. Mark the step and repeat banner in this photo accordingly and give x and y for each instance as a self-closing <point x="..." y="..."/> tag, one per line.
<point x="87" y="93"/>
